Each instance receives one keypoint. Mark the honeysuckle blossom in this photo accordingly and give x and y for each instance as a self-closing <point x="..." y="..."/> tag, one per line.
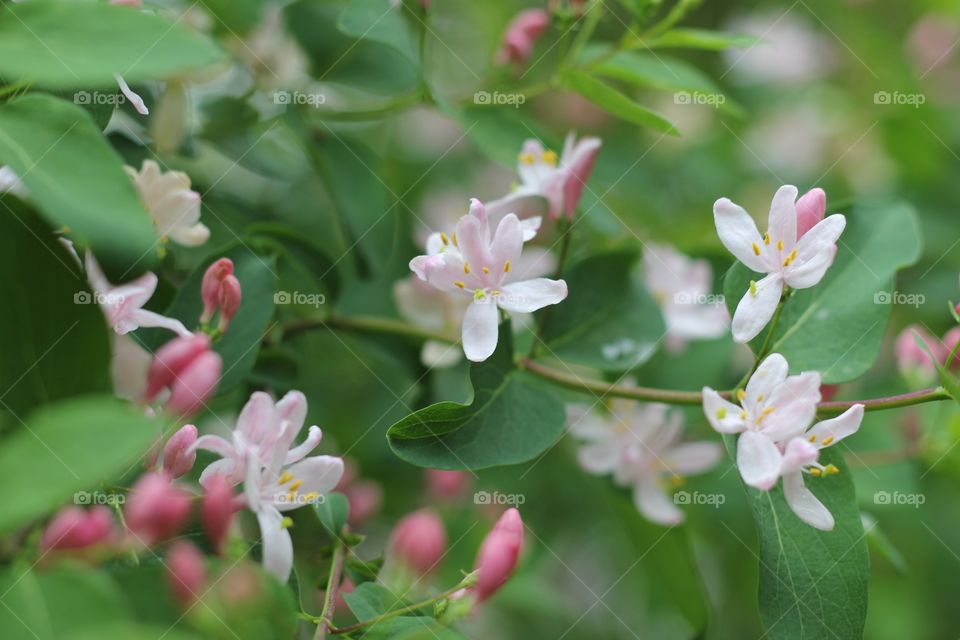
<point x="475" y="263"/>
<point x="682" y="287"/>
<point x="559" y="181"/>
<point x="639" y="444"/>
<point x="773" y="408"/>
<point x="123" y="304"/>
<point x="787" y="260"/>
<point x="287" y="481"/>
<point x="175" y="209"/>
<point x="260" y="425"/>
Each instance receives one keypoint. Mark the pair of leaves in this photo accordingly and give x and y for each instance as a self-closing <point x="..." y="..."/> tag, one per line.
<point x="837" y="326"/>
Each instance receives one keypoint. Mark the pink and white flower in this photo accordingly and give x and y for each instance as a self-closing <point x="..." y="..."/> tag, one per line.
<point x="477" y="263"/>
<point x="544" y="176"/>
<point x="174" y="207"/>
<point x="682" y="286"/>
<point x="788" y="259"/>
<point x="639" y="444"/>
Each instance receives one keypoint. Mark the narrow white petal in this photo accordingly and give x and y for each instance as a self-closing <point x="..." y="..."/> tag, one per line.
<point x="723" y="416"/>
<point x="530" y="295"/>
<point x="480" y="326"/>
<point x="782" y="223"/>
<point x="756" y="310"/>
<point x="318" y="474"/>
<point x="692" y="457"/>
<point x="768" y="377"/>
<point x="277" y="545"/>
<point x="738" y="233"/>
<point x="299" y="452"/>
<point x="758" y="459"/>
<point x="836" y="429"/>
<point x="806" y="505"/>
<point x="599" y="458"/>
<point x="654" y="504"/>
<point x="794" y="406"/>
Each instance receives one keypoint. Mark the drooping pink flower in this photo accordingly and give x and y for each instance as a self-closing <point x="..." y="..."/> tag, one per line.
<point x="178" y="453"/>
<point x="219" y="505"/>
<point x="521" y="35"/>
<point x="418" y="541"/>
<point x="189" y="369"/>
<point x="156" y="509"/>
<point x="76" y="528"/>
<point x="499" y="554"/>
<point x="186" y="572"/>
<point x="448" y="486"/>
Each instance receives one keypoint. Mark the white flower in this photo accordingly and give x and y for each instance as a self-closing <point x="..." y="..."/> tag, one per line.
<point x="772" y="417"/>
<point x="475" y="263"/>
<point x="175" y="209"/>
<point x="682" y="287"/>
<point x="132" y="96"/>
<point x="123" y="304"/>
<point x="10" y="182"/>
<point x="786" y="260"/>
<point x="639" y="445"/>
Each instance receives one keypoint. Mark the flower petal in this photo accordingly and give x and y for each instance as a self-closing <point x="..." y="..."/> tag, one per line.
<point x="692" y="457"/>
<point x="654" y="504"/>
<point x="806" y="505"/>
<point x="257" y="424"/>
<point x="755" y="310"/>
<point x="794" y="406"/>
<point x="782" y="223"/>
<point x="480" y="326"/>
<point x="836" y="429"/>
<point x="530" y="295"/>
<point x="723" y="416"/>
<point x="507" y="242"/>
<point x="768" y="377"/>
<point x="144" y="318"/>
<point x="277" y="545"/>
<point x="471" y="240"/>
<point x="226" y="467"/>
<point x="815" y="253"/>
<point x="599" y="458"/>
<point x="738" y="233"/>
<point x="318" y="474"/>
<point x="758" y="459"/>
<point x="299" y="452"/>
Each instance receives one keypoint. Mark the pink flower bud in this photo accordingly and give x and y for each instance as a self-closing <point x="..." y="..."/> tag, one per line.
<point x="218" y="509"/>
<point x="419" y="541"/>
<point x="195" y="384"/>
<point x="156" y="509"/>
<point x="811" y="208"/>
<point x="178" y="454"/>
<point x="210" y="286"/>
<point x="74" y="528"/>
<point x="448" y="486"/>
<point x="186" y="572"/>
<point x="579" y="156"/>
<point x="950" y="340"/>
<point x="187" y="367"/>
<point x="365" y="498"/>
<point x="828" y="391"/>
<point x="522" y="33"/>
<point x="912" y="359"/>
<point x="499" y="554"/>
<point x="230" y="297"/>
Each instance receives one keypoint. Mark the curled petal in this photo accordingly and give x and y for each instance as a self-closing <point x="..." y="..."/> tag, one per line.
<point x="828" y="432"/>
<point x="756" y="308"/>
<point x="806" y="505"/>
<point x="314" y="435"/>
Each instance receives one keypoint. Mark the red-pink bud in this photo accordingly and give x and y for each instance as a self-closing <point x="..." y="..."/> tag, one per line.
<point x="522" y="33"/>
<point x="912" y="359"/>
<point x="178" y="453"/>
<point x="186" y="572"/>
<point x="195" y="384"/>
<point x="156" y="509"/>
<point x="950" y="340"/>
<point x="449" y="486"/>
<point x="365" y="498"/>
<point x="811" y="208"/>
<point x="419" y="541"/>
<point x="218" y="509"/>
<point x="581" y="156"/>
<point x="210" y="286"/>
<point x="828" y="391"/>
<point x="499" y="554"/>
<point x="74" y="528"/>
<point x="171" y="359"/>
<point x="230" y="297"/>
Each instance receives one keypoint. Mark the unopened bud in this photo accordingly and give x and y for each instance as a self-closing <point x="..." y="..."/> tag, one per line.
<point x="178" y="454"/>
<point x="186" y="572"/>
<point x="419" y="541"/>
<point x="155" y="508"/>
<point x="499" y="554"/>
<point x="230" y="298"/>
<point x="75" y="528"/>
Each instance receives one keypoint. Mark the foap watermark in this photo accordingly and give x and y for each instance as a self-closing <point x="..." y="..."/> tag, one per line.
<point x="88" y="297"/>
<point x="497" y="498"/>
<point x="299" y="499"/>
<point x="86" y="498"/>
<point x="897" y="498"/>
<point x="499" y="98"/>
<point x="699" y="299"/>
<point x="99" y="98"/>
<point x="698" y="498"/>
<point x="898" y="98"/>
<point x="714" y="100"/>
<point x="914" y="300"/>
<point x="299" y="297"/>
<point x="299" y="97"/>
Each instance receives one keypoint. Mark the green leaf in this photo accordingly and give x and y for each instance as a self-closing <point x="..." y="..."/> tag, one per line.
<point x="497" y="131"/>
<point x="234" y="17"/>
<point x="370" y="600"/>
<point x="606" y="97"/>
<point x="813" y="584"/>
<point x="511" y="419"/>
<point x="52" y="346"/>
<point x="837" y="326"/>
<point x="312" y="544"/>
<point x="75" y="178"/>
<point x="71" y="44"/>
<point x="411" y="628"/>
<point x="130" y="631"/>
<point x="380" y="21"/>
<point x="66" y="447"/>
<point x="702" y="39"/>
<point x="241" y="343"/>
<point x="333" y="513"/>
<point x="609" y="321"/>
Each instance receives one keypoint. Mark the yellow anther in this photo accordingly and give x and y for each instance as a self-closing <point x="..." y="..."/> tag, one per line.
<point x="285" y="477"/>
<point x="486" y="269"/>
<point x="741" y="394"/>
<point x="790" y="258"/>
<point x="677" y="481"/>
<point x="765" y="413"/>
<point x="506" y="267"/>
<point x="295" y="485"/>
<point x="459" y="283"/>
<point x="827" y="441"/>
<point x="549" y="157"/>
<point x="495" y="292"/>
<point x="760" y="398"/>
<point x="466" y="267"/>
<point x="286" y="523"/>
<point x="527" y="158"/>
<point x="815" y="472"/>
<point x="753" y="288"/>
<point x="812" y="438"/>
<point x="766" y="238"/>
<point x="721" y="413"/>
<point x="743" y="414"/>
<point x="831" y="469"/>
<point x="756" y="249"/>
<point x="478" y="294"/>
<point x="455" y="239"/>
<point x="444" y="238"/>
<point x="310" y="497"/>
<point x="779" y="245"/>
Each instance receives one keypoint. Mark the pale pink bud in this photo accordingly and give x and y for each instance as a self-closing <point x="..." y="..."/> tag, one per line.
<point x="912" y="359"/>
<point x="171" y="359"/>
<point x="156" y="509"/>
<point x="581" y="156"/>
<point x="178" y="453"/>
<point x="949" y="344"/>
<point x="75" y="528"/>
<point x="218" y="509"/>
<point x="187" y="367"/>
<point x="365" y="498"/>
<point x="230" y="297"/>
<point x="450" y="486"/>
<point x="522" y="33"/>
<point x="419" y="541"/>
<point x="811" y="208"/>
<point x="186" y="572"/>
<point x="210" y="286"/>
<point x="499" y="554"/>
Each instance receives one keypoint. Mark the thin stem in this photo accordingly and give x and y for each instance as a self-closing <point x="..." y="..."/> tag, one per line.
<point x="933" y="394"/>
<point x="399" y="612"/>
<point x="324" y="624"/>
<point x="365" y="324"/>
